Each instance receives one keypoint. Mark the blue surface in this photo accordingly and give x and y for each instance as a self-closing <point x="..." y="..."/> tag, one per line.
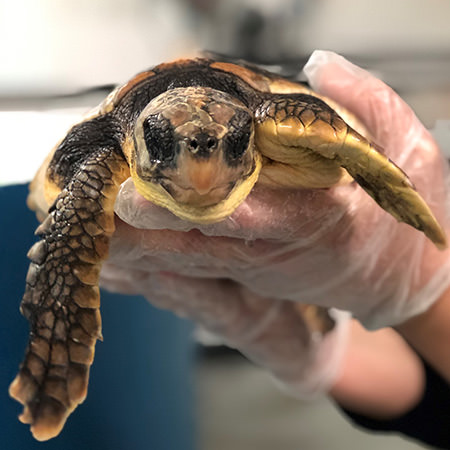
<point x="140" y="393"/>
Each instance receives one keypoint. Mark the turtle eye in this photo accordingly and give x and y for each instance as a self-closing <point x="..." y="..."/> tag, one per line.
<point x="159" y="139"/>
<point x="238" y="138"/>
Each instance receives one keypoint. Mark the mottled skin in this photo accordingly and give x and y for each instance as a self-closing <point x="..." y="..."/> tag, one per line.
<point x="196" y="135"/>
<point x="62" y="299"/>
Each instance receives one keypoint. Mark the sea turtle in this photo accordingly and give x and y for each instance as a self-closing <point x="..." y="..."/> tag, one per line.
<point x="195" y="135"/>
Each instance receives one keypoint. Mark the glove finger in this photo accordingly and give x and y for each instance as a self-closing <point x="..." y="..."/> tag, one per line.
<point x="267" y="330"/>
<point x="280" y="336"/>
<point x="219" y="305"/>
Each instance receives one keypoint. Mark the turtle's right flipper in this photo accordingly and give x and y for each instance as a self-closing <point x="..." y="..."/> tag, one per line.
<point x="300" y="131"/>
<point x="61" y="299"/>
<point x="389" y="186"/>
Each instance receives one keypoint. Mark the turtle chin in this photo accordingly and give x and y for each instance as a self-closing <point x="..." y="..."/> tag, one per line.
<point x="190" y="196"/>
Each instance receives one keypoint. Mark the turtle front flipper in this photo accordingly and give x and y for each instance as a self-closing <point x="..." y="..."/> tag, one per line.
<point x="61" y="299"/>
<point x="309" y="145"/>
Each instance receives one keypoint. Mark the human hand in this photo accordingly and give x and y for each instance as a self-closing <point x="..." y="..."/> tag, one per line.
<point x="334" y="247"/>
<point x="300" y="345"/>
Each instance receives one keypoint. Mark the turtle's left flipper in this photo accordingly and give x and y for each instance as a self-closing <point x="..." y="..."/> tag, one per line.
<point x="61" y="299"/>
<point x="301" y="130"/>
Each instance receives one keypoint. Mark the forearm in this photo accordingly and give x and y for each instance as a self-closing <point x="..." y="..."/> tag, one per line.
<point x="429" y="334"/>
<point x="381" y="377"/>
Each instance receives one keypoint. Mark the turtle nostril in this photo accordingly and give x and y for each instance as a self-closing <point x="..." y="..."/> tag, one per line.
<point x="193" y="144"/>
<point x="211" y="143"/>
<point x="202" y="144"/>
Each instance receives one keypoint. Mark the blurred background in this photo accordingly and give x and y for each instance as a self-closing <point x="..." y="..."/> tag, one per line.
<point x="60" y="58"/>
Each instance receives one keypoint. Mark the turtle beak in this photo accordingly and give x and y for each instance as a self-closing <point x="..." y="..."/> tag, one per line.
<point x="201" y="175"/>
<point x="200" y="181"/>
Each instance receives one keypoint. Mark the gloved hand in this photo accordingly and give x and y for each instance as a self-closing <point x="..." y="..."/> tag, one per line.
<point x="284" y="337"/>
<point x="333" y="248"/>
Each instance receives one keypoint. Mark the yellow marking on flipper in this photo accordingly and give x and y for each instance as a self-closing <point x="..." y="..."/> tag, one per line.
<point x="294" y="166"/>
<point x="310" y="175"/>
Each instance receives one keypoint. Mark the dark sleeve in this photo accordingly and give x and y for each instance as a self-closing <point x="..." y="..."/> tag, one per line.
<point x="428" y="422"/>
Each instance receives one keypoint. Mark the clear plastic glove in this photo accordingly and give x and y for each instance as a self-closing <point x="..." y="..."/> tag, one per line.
<point x="275" y="334"/>
<point x="333" y="248"/>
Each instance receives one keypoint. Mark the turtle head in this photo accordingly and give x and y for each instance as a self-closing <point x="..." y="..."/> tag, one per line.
<point x="194" y="153"/>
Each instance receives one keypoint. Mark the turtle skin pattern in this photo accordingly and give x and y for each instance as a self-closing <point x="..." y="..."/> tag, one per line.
<point x="62" y="299"/>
